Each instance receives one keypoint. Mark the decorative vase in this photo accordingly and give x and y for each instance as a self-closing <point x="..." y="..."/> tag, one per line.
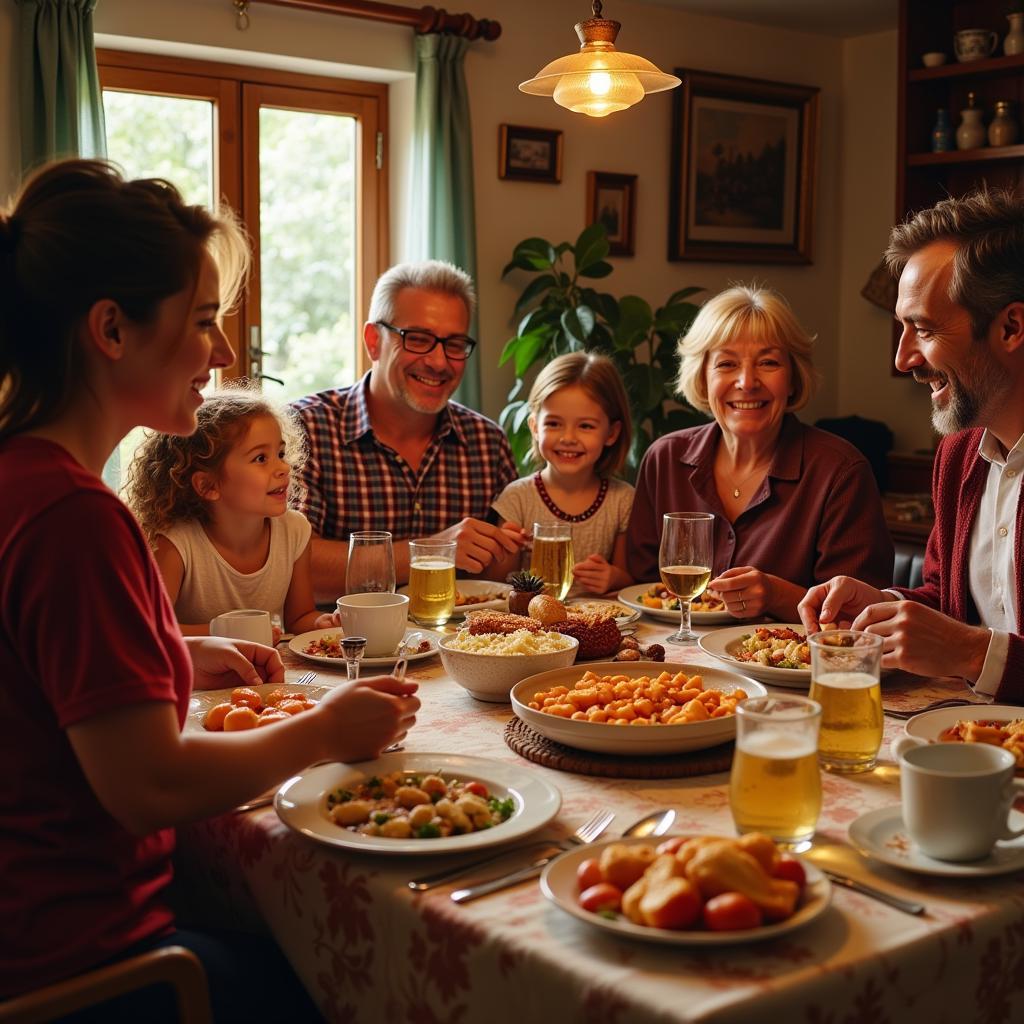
<point x="942" y="134"/>
<point x="1014" y="41"/>
<point x="1004" y="129"/>
<point x="971" y="133"/>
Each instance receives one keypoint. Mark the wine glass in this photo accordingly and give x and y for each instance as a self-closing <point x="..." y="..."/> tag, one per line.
<point x="371" y="563"/>
<point x="684" y="562"/>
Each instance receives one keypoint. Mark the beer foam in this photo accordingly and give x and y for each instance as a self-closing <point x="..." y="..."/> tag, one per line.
<point x="847" y="680"/>
<point x="777" y="746"/>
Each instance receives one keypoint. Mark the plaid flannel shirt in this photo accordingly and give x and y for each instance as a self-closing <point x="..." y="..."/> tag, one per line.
<point x="353" y="481"/>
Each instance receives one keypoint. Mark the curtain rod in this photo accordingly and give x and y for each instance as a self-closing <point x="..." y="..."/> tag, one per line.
<point x="422" y="19"/>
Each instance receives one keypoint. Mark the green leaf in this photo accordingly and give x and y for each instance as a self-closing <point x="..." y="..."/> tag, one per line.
<point x="591" y="247"/>
<point x="521" y="416"/>
<point x="537" y="286"/>
<point x="517" y="263"/>
<point x="536" y="318"/>
<point x="598" y="269"/>
<point x="578" y="323"/>
<point x="509" y="350"/>
<point x="683" y="293"/>
<point x="635" y="319"/>
<point x="537" y="252"/>
<point x="675" y="318"/>
<point x="510" y="410"/>
<point x="516" y="388"/>
<point x="529" y="349"/>
<point x="646" y="386"/>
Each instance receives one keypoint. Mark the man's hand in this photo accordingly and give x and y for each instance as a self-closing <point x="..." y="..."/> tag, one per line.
<point x="595" y="573"/>
<point x="747" y="592"/>
<point x="218" y="663"/>
<point x="478" y="543"/>
<point x="919" y="639"/>
<point x="839" y="600"/>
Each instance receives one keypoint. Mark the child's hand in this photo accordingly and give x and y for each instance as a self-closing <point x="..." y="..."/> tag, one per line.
<point x="329" y="620"/>
<point x="275" y="633"/>
<point x="595" y="573"/>
<point x="365" y="716"/>
<point x="218" y="662"/>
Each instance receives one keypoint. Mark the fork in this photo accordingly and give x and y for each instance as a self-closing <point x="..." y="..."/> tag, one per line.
<point x="306" y="677"/>
<point x="590" y="830"/>
<point x="410" y="643"/>
<point x="947" y="702"/>
<point x="579" y="836"/>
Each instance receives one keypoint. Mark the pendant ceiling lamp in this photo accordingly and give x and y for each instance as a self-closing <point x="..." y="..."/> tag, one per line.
<point x="599" y="79"/>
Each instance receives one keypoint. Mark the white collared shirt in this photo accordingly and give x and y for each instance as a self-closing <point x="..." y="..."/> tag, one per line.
<point x="992" y="558"/>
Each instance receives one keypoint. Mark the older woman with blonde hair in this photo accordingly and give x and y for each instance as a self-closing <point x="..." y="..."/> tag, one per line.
<point x="793" y="505"/>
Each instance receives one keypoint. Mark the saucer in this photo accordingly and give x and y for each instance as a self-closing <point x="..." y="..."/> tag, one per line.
<point x="881" y="834"/>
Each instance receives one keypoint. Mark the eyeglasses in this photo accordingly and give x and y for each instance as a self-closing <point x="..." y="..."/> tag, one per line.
<point x="457" y="347"/>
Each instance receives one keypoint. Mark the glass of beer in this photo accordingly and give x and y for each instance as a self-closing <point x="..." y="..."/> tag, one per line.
<point x="775" y="785"/>
<point x="431" y="581"/>
<point x="684" y="560"/>
<point x="845" y="670"/>
<point x="552" y="558"/>
<point x="370" y="568"/>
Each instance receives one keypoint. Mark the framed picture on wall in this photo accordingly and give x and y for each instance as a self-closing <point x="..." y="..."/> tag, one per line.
<point x="611" y="200"/>
<point x="744" y="157"/>
<point x="529" y="154"/>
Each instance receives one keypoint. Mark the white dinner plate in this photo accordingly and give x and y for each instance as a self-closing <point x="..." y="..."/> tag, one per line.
<point x="625" y="615"/>
<point x="297" y="645"/>
<point x="929" y="725"/>
<point x="471" y="587"/>
<point x="724" y="643"/>
<point x="633" y="741"/>
<point x="301" y="803"/>
<point x="631" y="598"/>
<point x="203" y="700"/>
<point x="881" y="834"/>
<point x="558" y="883"/>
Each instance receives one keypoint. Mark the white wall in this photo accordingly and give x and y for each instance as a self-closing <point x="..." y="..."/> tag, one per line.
<point x="867" y="208"/>
<point x="854" y="184"/>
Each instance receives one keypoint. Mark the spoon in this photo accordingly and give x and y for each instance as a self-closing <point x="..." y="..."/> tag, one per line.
<point x="657" y="823"/>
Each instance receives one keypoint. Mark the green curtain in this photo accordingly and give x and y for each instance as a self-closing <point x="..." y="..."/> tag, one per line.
<point x="61" y="108"/>
<point x="442" y="212"/>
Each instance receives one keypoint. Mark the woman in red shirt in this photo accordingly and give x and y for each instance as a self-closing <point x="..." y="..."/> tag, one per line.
<point x="111" y="298"/>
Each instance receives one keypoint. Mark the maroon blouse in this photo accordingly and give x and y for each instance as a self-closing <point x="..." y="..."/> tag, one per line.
<point x="817" y="514"/>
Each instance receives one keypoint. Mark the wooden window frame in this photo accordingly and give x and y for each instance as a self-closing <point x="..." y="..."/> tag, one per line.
<point x="237" y="91"/>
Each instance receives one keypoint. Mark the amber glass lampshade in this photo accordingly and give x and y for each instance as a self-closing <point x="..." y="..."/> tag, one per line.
<point x="599" y="79"/>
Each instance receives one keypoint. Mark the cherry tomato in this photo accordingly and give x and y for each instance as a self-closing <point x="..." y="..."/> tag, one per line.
<point x="589" y="873"/>
<point x="732" y="912"/>
<point x="671" y="845"/>
<point x="789" y="868"/>
<point x="602" y="896"/>
<point x="477" y="789"/>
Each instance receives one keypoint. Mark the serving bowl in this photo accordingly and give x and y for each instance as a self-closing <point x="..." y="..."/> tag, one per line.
<point x="624" y="740"/>
<point x="491" y="676"/>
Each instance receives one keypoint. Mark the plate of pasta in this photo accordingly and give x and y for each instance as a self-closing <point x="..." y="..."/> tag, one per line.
<point x="249" y="707"/>
<point x="1002" y="725"/>
<point x="654" y="600"/>
<point x="473" y="802"/>
<point x="773" y="652"/>
<point x="634" y="707"/>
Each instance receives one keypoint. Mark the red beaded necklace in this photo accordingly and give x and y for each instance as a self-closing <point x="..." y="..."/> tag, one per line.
<point x="565" y="517"/>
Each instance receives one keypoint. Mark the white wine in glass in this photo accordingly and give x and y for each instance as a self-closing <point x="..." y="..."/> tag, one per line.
<point x="684" y="560"/>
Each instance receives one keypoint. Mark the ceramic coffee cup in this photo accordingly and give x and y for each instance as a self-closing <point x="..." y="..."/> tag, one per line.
<point x="244" y="624"/>
<point x="381" y="618"/>
<point x="957" y="797"/>
<point x="974" y="43"/>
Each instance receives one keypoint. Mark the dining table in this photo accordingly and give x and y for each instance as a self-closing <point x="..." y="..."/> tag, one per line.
<point x="370" y="949"/>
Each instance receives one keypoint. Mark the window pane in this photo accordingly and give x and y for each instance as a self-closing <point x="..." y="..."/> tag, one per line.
<point x="307" y="250"/>
<point x="158" y="137"/>
<point x="162" y="137"/>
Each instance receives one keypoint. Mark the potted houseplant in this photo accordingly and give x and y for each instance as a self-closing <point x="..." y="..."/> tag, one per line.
<point x="560" y="310"/>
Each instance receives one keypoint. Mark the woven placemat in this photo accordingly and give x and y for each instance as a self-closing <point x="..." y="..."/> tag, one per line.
<point x="530" y="744"/>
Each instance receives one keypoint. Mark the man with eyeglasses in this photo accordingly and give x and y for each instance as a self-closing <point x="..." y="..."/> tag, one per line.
<point x="393" y="452"/>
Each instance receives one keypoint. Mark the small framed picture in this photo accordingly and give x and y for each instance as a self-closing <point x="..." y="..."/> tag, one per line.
<point x="529" y="154"/>
<point x="611" y="201"/>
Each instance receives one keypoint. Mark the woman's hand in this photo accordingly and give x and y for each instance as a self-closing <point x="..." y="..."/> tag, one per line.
<point x="597" y="574"/>
<point x="329" y="620"/>
<point x="837" y="601"/>
<point x="367" y="715"/>
<point x="219" y="663"/>
<point x="748" y="593"/>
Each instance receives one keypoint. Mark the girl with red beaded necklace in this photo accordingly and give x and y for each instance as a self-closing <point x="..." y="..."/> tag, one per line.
<point x="581" y="426"/>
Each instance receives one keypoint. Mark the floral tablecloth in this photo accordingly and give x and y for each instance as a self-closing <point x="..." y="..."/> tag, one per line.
<point x="370" y="950"/>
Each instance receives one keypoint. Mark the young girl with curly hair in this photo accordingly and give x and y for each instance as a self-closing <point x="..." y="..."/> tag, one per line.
<point x="214" y="505"/>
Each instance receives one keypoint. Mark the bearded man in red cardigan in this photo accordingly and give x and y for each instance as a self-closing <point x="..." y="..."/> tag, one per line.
<point x="961" y="304"/>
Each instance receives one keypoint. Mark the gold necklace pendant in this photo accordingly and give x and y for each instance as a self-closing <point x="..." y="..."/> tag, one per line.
<point x="735" y="492"/>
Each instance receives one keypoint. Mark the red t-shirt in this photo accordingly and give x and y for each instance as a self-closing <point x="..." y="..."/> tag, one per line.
<point x="85" y="628"/>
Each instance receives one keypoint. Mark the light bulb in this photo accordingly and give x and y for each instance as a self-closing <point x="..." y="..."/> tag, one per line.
<point x="598" y="93"/>
<point x="600" y="83"/>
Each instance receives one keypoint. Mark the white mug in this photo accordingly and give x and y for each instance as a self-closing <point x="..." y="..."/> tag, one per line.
<point x="381" y="618"/>
<point x="244" y="624"/>
<point x="956" y="797"/>
<point x="974" y="44"/>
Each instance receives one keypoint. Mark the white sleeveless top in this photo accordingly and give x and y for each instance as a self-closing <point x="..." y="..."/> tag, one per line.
<point x="211" y="586"/>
